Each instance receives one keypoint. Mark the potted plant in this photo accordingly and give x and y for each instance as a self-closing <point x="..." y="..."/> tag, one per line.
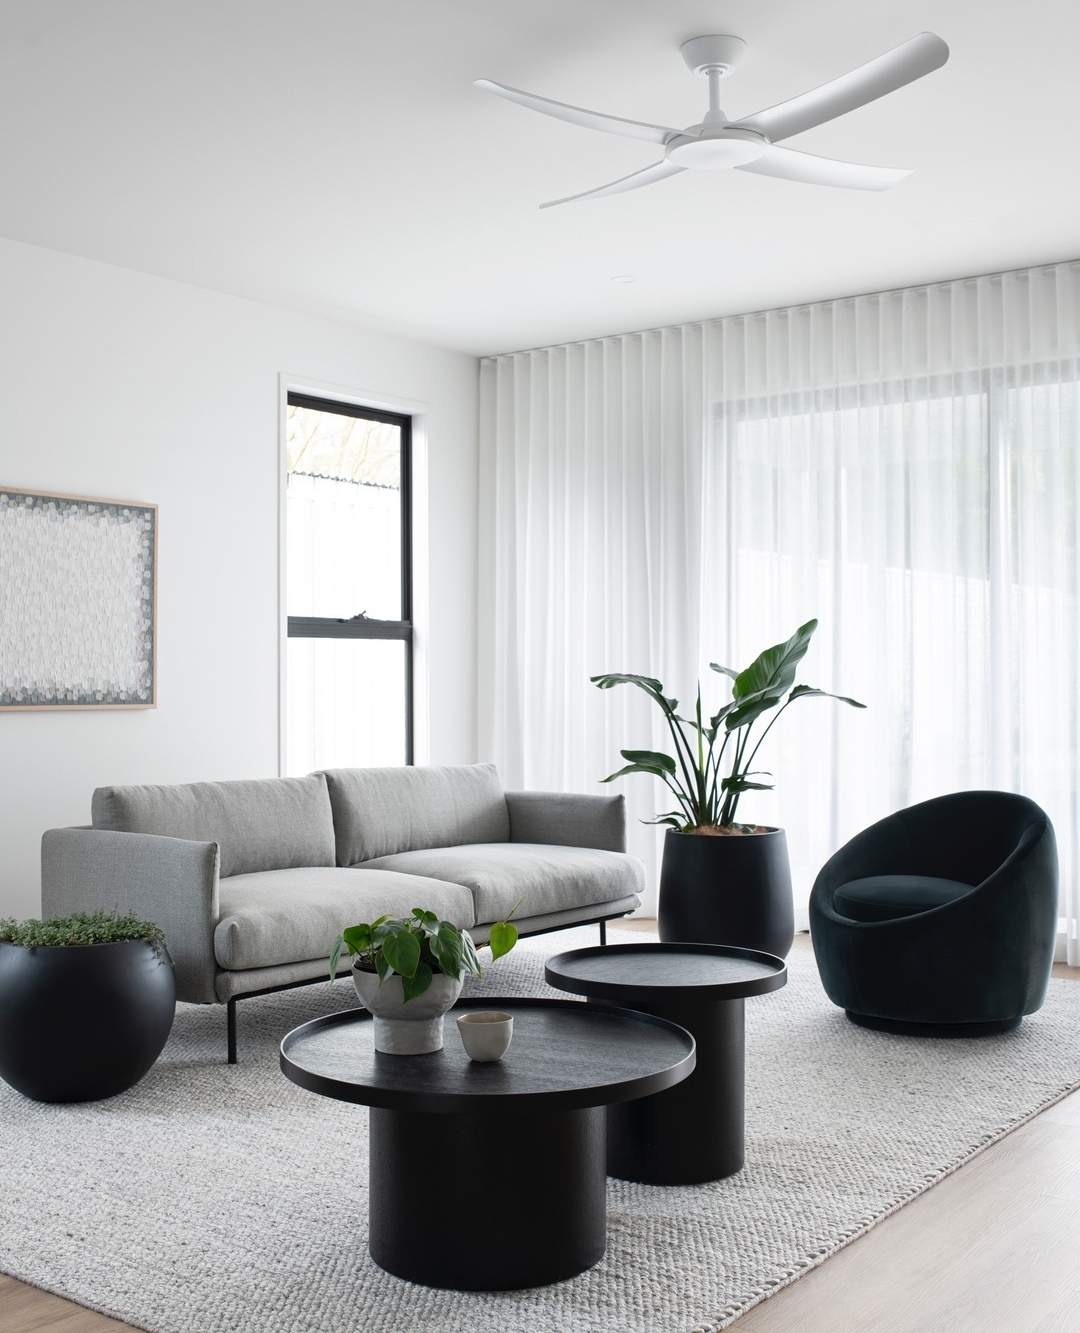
<point x="409" y="971"/>
<point x="722" y="882"/>
<point x="86" y="1004"/>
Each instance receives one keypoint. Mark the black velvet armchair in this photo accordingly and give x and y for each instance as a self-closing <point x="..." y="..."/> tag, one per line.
<point x="941" y="919"/>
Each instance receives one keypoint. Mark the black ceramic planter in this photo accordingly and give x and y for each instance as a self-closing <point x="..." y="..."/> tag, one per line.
<point x="727" y="890"/>
<point x="83" y="1021"/>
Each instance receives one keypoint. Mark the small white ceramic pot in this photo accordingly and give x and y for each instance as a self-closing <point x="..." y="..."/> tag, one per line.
<point x="406" y="1028"/>
<point x="486" y="1036"/>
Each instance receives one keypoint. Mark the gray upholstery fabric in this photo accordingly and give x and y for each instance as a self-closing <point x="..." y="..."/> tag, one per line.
<point x="568" y="819"/>
<point x="440" y="838"/>
<point x="169" y="881"/>
<point x="381" y="811"/>
<point x="230" y="984"/>
<point x="553" y="879"/>
<point x="538" y="925"/>
<point x="289" y="916"/>
<point x="264" y="824"/>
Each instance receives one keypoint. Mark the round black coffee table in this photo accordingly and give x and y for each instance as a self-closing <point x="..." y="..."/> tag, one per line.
<point x="490" y="1177"/>
<point x="694" y="1132"/>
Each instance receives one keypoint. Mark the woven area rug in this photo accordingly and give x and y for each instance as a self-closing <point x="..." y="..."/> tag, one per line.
<point x="213" y="1198"/>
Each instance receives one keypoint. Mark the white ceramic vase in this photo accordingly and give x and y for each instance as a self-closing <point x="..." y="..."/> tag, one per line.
<point x="412" y="1028"/>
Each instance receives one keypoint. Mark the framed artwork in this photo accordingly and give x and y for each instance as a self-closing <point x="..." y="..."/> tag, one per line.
<point x="78" y="602"/>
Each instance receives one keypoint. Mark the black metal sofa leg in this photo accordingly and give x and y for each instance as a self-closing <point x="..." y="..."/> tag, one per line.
<point x="230" y="1019"/>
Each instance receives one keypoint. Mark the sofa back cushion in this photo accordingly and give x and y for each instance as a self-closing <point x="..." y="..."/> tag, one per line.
<point x="263" y="824"/>
<point x="381" y="811"/>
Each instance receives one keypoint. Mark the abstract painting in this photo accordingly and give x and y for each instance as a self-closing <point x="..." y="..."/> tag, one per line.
<point x="77" y="602"/>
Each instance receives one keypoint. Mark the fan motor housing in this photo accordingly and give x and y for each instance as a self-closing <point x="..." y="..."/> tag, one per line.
<point x="728" y="147"/>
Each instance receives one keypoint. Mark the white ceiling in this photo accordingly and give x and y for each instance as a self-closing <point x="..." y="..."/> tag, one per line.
<point x="332" y="155"/>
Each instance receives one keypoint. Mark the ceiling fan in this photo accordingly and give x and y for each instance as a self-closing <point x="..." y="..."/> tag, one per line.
<point x="750" y="144"/>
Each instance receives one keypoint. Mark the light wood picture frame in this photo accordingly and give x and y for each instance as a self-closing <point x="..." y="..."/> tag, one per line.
<point x="78" y="602"/>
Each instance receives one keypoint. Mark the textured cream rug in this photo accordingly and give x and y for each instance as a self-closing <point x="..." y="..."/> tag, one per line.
<point x="212" y="1198"/>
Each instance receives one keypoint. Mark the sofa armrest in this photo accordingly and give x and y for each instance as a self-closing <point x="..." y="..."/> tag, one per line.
<point x="568" y="819"/>
<point x="169" y="881"/>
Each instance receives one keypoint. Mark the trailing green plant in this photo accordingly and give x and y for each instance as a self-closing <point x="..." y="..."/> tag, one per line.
<point x="713" y="761"/>
<point x="98" y="927"/>
<point x="417" y="946"/>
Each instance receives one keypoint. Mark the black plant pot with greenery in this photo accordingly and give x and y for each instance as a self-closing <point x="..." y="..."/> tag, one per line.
<point x="723" y="882"/>
<point x="83" y="1021"/>
<point x="727" y="890"/>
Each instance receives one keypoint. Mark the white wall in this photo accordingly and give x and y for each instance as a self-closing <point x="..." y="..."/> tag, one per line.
<point x="119" y="385"/>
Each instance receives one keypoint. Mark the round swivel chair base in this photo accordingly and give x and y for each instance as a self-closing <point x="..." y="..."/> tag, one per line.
<point x="934" y="1029"/>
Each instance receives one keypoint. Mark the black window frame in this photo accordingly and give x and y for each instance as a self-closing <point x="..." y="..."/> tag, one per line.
<point x="362" y="626"/>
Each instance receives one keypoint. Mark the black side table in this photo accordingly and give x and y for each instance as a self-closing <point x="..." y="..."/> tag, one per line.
<point x="695" y="1132"/>
<point x="490" y="1177"/>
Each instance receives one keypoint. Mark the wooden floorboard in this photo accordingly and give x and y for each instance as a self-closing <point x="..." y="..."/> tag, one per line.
<point x="991" y="1249"/>
<point x="26" y="1309"/>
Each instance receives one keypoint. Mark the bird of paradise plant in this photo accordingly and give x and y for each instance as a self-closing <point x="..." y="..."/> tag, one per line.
<point x="713" y="758"/>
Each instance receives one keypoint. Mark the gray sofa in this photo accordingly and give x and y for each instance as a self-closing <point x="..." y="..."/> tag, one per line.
<point x="252" y="881"/>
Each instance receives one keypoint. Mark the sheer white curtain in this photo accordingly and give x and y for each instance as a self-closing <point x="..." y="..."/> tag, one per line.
<point x="904" y="466"/>
<point x="590" y="555"/>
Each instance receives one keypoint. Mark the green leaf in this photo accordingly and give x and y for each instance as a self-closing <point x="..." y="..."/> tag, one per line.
<point x="676" y="821"/>
<point x="717" y="718"/>
<point x="469" y="960"/>
<point x="412" y="986"/>
<point x="801" y="691"/>
<point x="724" y="671"/>
<point x="650" y="758"/>
<point x="773" y="672"/>
<point x="427" y="918"/>
<point x="748" y="710"/>
<point x="402" y="952"/>
<point x="502" y="939"/>
<point x="611" y="678"/>
<point x="653" y="770"/>
<point x="741" y="784"/>
<point x="653" y="688"/>
<point x="386" y="926"/>
<point x="382" y="967"/>
<point x="335" y="955"/>
<point x="446" y="950"/>
<point x="358" y="938"/>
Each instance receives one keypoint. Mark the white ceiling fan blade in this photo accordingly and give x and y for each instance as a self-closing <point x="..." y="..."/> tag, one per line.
<point x="903" y="64"/>
<point x="789" y="165"/>
<point x="639" y="178"/>
<point x="576" y="115"/>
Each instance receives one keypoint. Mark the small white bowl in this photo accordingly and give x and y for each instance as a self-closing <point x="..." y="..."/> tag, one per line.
<point x="486" y="1036"/>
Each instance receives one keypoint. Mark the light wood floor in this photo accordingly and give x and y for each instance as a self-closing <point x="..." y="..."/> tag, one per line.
<point x="991" y="1249"/>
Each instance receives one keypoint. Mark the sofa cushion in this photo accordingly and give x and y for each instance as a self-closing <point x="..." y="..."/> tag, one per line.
<point x="262" y="824"/>
<point x="887" y="897"/>
<point x="381" y="811"/>
<point x="287" y="916"/>
<point x="551" y="879"/>
<point x="568" y="819"/>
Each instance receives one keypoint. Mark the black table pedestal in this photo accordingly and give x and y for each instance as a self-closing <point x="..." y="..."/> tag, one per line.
<point x="489" y="1176"/>
<point x="693" y="1132"/>
<point x="437" y="1182"/>
<point x="649" y="1140"/>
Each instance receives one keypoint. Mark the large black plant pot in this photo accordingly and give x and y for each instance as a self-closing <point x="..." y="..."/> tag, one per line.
<point x="83" y="1021"/>
<point x="727" y="890"/>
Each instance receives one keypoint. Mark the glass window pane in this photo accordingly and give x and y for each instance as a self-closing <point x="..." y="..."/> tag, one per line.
<point x="345" y="703"/>
<point x="343" y="515"/>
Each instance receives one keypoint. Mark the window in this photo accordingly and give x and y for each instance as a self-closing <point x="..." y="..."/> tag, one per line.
<point x="931" y="525"/>
<point x="349" y="665"/>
